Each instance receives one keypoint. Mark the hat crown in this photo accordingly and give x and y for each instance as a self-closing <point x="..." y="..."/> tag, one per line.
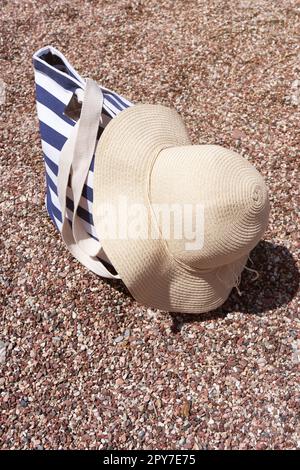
<point x="227" y="200"/>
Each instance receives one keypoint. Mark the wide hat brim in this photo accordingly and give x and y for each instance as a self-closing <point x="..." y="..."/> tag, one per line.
<point x="126" y="152"/>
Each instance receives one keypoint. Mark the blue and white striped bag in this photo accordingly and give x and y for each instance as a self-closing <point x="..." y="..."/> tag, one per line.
<point x="56" y="84"/>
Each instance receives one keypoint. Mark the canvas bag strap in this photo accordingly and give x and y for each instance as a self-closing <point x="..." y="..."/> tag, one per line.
<point x="75" y="159"/>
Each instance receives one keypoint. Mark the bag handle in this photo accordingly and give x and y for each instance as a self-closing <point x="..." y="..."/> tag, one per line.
<point x="75" y="159"/>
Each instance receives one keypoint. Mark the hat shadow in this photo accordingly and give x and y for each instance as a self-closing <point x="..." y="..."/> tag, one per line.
<point x="277" y="284"/>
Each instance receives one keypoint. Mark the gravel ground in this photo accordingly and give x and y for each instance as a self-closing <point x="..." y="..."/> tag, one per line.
<point x="82" y="364"/>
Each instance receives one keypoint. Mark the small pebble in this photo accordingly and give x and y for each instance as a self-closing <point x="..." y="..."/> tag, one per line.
<point x="118" y="339"/>
<point x="24" y="402"/>
<point x="2" y="352"/>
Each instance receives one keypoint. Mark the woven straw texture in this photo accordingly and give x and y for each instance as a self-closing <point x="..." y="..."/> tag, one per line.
<point x="145" y="155"/>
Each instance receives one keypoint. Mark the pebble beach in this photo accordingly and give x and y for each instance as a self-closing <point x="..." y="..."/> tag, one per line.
<point x="82" y="364"/>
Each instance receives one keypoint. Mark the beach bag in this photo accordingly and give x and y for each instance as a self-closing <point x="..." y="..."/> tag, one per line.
<point x="72" y="114"/>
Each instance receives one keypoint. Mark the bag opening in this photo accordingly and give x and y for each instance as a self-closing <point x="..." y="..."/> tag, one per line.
<point x="55" y="61"/>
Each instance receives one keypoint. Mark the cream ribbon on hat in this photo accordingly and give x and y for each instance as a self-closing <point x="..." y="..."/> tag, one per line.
<point x="75" y="160"/>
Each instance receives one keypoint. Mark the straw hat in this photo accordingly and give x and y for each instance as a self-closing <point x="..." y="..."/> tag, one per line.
<point x="146" y="158"/>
